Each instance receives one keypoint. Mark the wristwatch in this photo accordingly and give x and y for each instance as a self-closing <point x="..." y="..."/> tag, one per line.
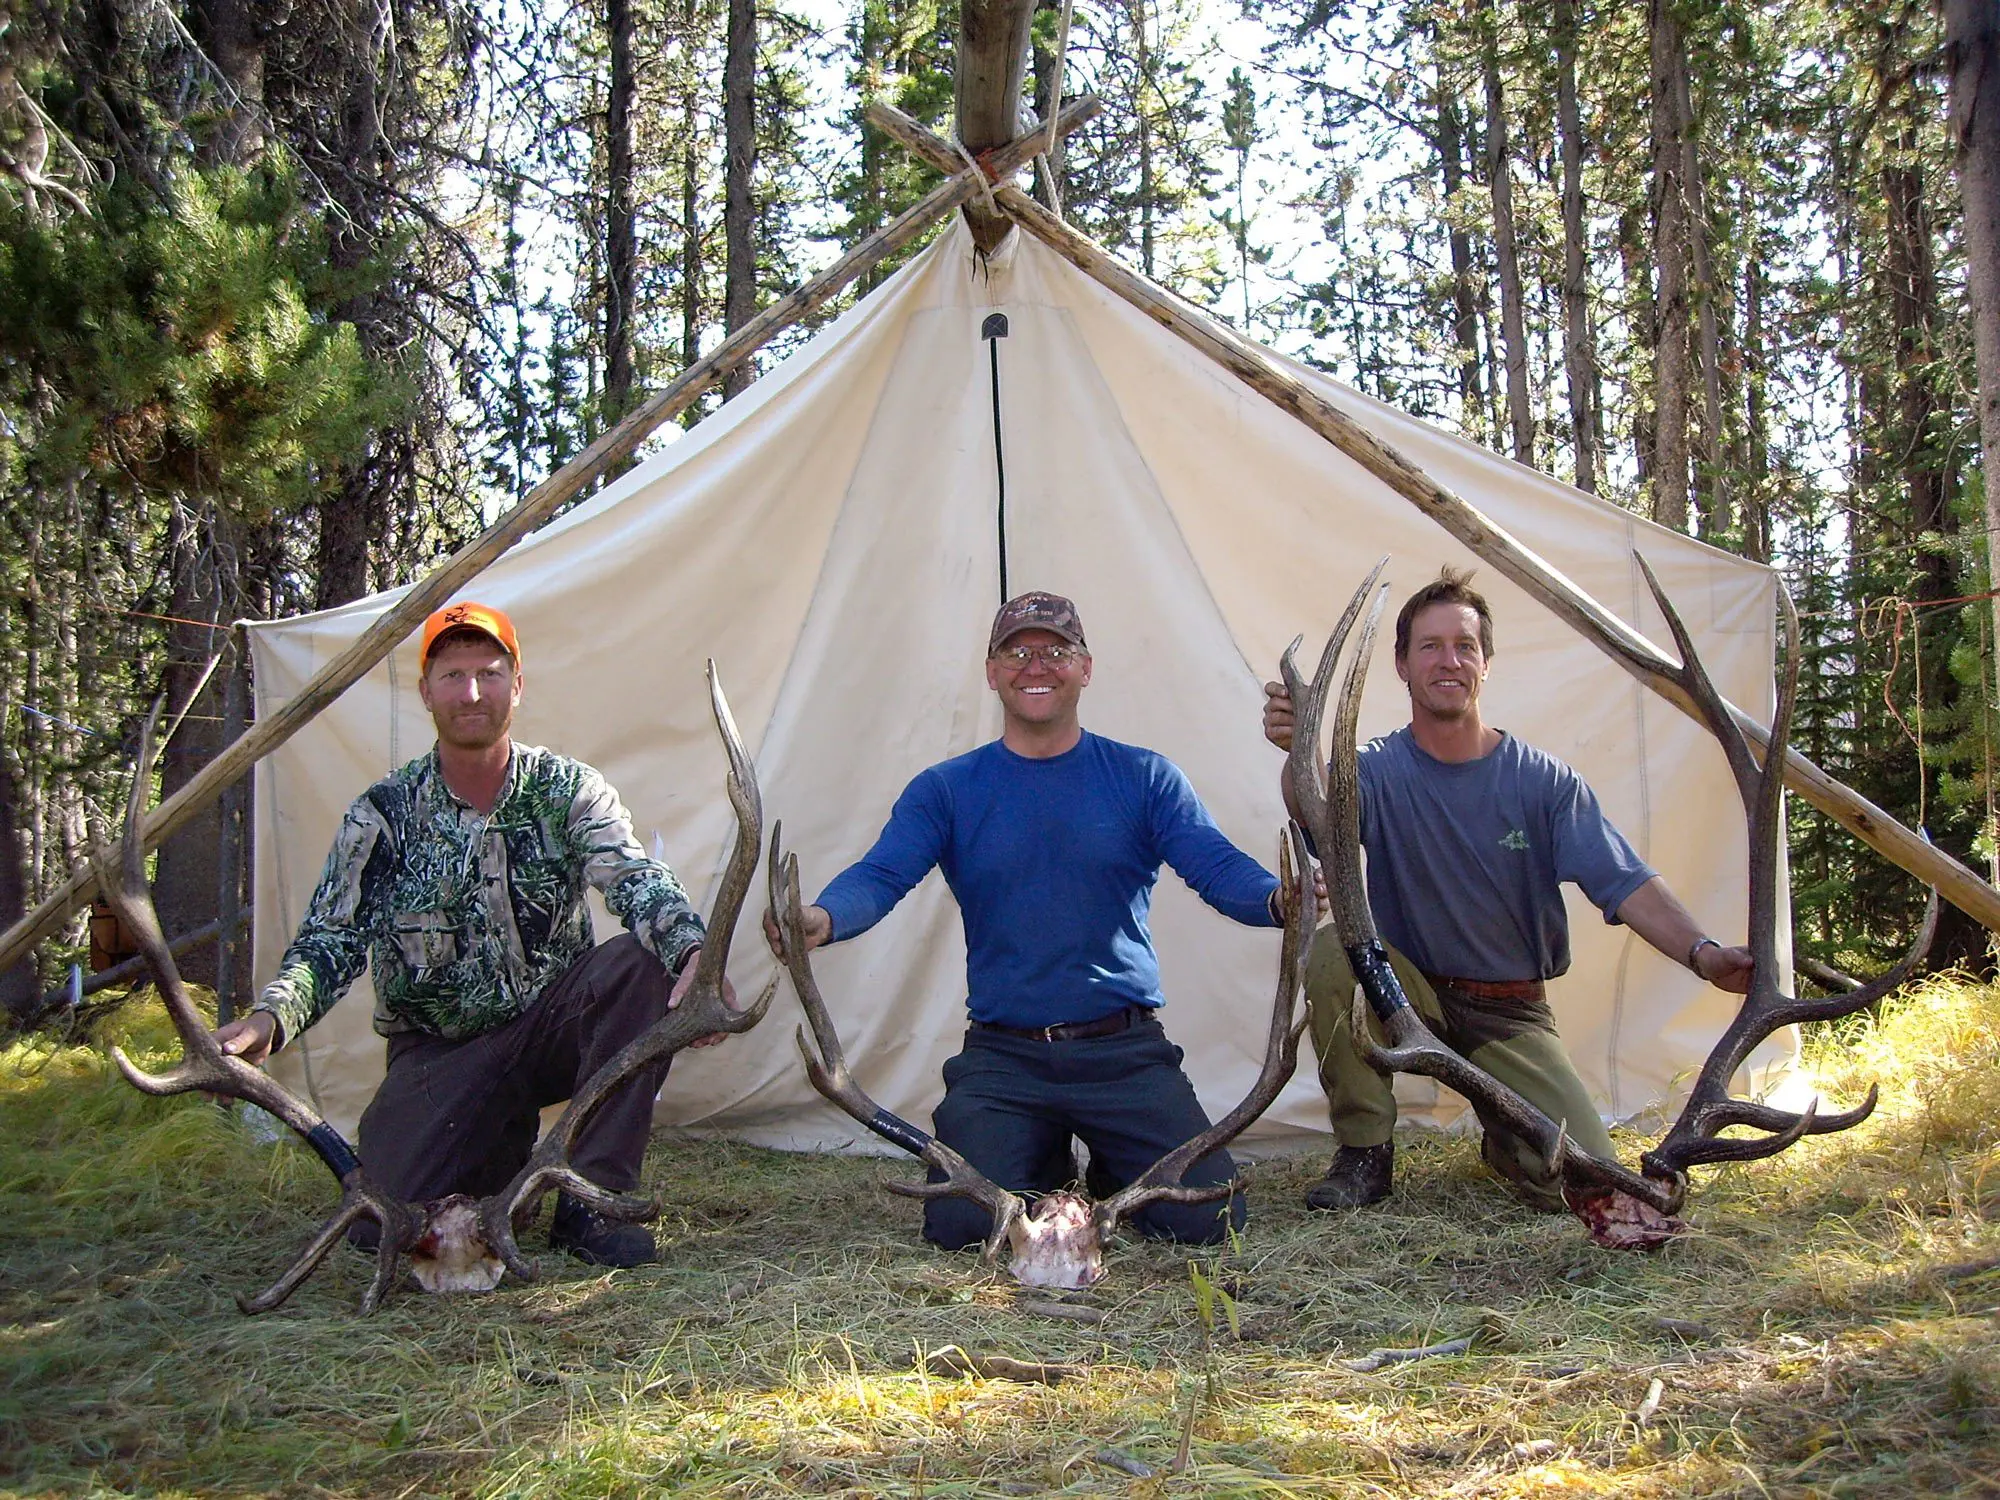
<point x="1694" y="951"/>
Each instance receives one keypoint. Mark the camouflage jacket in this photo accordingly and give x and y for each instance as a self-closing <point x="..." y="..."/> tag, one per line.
<point x="467" y="918"/>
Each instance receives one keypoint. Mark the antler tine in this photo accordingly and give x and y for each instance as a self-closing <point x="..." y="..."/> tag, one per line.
<point x="702" y="1011"/>
<point x="1693" y="1139"/>
<point x="748" y="802"/>
<point x="829" y="1074"/>
<point x="204" y="1065"/>
<point x="1304" y="765"/>
<point x="1339" y="835"/>
<point x="1692" y="675"/>
<point x="1161" y="1182"/>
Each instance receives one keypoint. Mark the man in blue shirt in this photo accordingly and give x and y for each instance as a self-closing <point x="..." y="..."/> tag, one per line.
<point x="1051" y="839"/>
<point x="1470" y="836"/>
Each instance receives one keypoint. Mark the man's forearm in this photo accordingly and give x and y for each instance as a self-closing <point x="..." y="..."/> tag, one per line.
<point x="1656" y="914"/>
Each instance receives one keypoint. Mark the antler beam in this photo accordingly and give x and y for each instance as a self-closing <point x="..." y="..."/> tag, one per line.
<point x="702" y="1011"/>
<point x="1695" y="1137"/>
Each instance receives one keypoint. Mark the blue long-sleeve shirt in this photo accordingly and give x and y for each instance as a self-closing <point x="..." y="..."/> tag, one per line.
<point x="1053" y="864"/>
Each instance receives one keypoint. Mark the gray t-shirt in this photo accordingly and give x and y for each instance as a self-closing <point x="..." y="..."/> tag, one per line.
<point x="1466" y="861"/>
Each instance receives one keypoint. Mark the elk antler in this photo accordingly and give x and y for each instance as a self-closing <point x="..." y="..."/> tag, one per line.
<point x="702" y="1011"/>
<point x="828" y="1072"/>
<point x="204" y="1065"/>
<point x="1413" y="1047"/>
<point x="1063" y="1247"/>
<point x="1694" y="1139"/>
<point x="1161" y="1182"/>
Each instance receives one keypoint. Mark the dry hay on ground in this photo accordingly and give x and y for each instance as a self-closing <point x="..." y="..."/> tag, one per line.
<point x="1828" y="1329"/>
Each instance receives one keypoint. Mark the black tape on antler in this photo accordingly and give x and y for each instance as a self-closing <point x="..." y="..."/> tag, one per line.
<point x="898" y="1132"/>
<point x="1370" y="961"/>
<point x="333" y="1149"/>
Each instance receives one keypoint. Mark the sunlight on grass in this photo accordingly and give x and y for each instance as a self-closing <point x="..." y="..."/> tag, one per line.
<point x="1828" y="1326"/>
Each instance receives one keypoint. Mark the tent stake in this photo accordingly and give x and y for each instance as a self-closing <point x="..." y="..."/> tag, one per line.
<point x="437" y="587"/>
<point x="1266" y="375"/>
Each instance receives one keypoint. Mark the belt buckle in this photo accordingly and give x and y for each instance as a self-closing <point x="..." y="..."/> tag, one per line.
<point x="1049" y="1032"/>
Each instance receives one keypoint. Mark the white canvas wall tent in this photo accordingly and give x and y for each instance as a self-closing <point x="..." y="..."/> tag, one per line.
<point x="830" y="539"/>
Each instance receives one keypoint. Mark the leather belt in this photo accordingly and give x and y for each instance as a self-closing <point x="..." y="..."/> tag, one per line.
<point x="1491" y="989"/>
<point x="1071" y="1031"/>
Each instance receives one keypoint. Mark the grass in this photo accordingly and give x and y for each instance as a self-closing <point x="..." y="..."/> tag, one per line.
<point x="1828" y="1328"/>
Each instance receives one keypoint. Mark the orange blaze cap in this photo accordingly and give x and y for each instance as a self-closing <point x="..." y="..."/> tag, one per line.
<point x="470" y="616"/>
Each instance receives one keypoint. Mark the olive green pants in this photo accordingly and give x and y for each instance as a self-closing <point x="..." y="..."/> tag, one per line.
<point x="1522" y="1052"/>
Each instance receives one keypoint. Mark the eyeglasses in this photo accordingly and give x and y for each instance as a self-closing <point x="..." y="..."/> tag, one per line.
<point x="1017" y="658"/>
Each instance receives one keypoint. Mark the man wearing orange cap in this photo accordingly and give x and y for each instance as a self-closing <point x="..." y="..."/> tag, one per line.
<point x="460" y="879"/>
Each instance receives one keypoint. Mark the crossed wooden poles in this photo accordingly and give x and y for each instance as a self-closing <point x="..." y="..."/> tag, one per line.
<point x="985" y="179"/>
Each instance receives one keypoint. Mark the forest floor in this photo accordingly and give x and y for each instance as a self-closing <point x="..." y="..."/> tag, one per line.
<point x="1830" y="1326"/>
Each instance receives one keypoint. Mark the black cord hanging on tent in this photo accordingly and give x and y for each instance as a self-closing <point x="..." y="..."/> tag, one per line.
<point x="993" y="330"/>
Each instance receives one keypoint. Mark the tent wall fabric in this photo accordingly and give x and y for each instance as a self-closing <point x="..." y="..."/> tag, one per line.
<point x="828" y="538"/>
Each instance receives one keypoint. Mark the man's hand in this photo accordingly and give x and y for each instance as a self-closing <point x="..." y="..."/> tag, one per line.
<point x="818" y="926"/>
<point x="1728" y="969"/>
<point x="684" y="980"/>
<point x="248" y="1037"/>
<point x="1278" y="716"/>
<point x="1282" y="899"/>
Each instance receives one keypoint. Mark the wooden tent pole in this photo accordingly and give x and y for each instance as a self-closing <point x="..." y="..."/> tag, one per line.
<point x="1266" y="375"/>
<point x="960" y="187"/>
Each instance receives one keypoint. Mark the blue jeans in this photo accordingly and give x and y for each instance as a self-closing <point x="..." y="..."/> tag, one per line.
<point x="1011" y="1105"/>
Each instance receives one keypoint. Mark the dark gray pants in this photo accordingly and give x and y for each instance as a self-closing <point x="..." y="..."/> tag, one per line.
<point x="1011" y="1105"/>
<point x="461" y="1117"/>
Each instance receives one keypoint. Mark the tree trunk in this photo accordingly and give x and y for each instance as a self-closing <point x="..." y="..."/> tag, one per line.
<point x="356" y="508"/>
<point x="1142" y="60"/>
<point x="1714" y="470"/>
<point x="992" y="61"/>
<point x="1048" y="99"/>
<point x="1972" y="46"/>
<point x="1645" y="325"/>
<point x="1670" y="307"/>
<point x="692" y="301"/>
<point x="1921" y="427"/>
<point x="230" y="35"/>
<point x="739" y="207"/>
<point x="1464" y="301"/>
<point x="1922" y="410"/>
<point x="187" y="877"/>
<point x="621" y="253"/>
<point x="20" y="988"/>
<point x="1579" y="344"/>
<point x="1756" y="496"/>
<point x="1500" y="180"/>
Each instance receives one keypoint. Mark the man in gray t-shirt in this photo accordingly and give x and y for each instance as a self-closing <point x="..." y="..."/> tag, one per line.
<point x="1470" y="837"/>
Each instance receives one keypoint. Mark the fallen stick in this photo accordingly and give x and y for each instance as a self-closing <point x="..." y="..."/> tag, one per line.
<point x="1125" y="1463"/>
<point x="952" y="1360"/>
<point x="1376" y="1359"/>
<point x="1066" y="1310"/>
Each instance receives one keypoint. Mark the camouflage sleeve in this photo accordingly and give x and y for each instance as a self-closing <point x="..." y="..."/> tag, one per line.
<point x="331" y="947"/>
<point x="642" y="893"/>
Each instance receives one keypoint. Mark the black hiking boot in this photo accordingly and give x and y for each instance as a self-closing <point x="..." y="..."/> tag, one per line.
<point x="1358" y="1177"/>
<point x="598" y="1241"/>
